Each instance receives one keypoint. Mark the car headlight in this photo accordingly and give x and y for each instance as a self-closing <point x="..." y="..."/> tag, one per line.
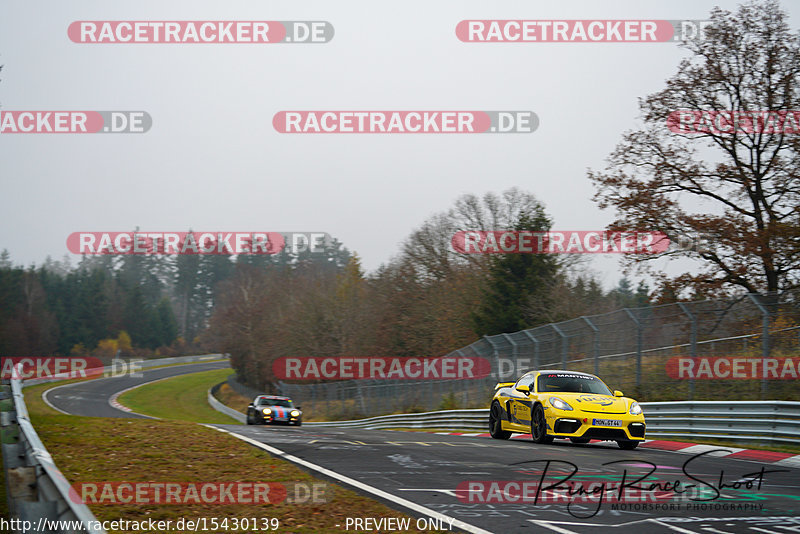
<point x="635" y="408"/>
<point x="267" y="411"/>
<point x="559" y="404"/>
<point x="295" y="413"/>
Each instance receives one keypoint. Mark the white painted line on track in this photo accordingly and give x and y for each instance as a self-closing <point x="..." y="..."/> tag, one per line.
<point x="114" y="403"/>
<point x="53" y="406"/>
<point x="457" y="523"/>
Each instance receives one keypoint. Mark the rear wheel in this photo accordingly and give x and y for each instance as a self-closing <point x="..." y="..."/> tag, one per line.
<point x="496" y="423"/>
<point x="539" y="426"/>
<point x="627" y="444"/>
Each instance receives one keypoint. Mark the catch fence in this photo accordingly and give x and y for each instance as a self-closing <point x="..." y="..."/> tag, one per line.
<point x="636" y="350"/>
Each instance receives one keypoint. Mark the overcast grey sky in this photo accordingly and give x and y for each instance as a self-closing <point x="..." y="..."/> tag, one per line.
<point x="212" y="160"/>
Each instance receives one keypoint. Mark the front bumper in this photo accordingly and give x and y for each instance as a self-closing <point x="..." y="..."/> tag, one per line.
<point x="579" y="424"/>
<point x="288" y="420"/>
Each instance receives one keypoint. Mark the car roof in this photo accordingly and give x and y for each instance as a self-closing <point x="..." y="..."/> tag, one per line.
<point x="565" y="371"/>
<point x="273" y="397"/>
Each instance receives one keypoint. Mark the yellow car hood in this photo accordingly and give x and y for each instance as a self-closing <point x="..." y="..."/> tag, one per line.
<point x="592" y="403"/>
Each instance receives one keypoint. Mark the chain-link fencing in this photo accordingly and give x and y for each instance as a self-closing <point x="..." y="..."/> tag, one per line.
<point x="653" y="353"/>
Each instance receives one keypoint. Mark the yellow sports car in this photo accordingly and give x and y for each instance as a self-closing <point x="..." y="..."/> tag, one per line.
<point x="565" y="404"/>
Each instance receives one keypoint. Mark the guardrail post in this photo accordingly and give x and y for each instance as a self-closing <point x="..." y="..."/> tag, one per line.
<point x="564" y="345"/>
<point x="692" y="342"/>
<point x="535" y="348"/>
<point x="638" y="324"/>
<point x="595" y="345"/>
<point x="764" y="340"/>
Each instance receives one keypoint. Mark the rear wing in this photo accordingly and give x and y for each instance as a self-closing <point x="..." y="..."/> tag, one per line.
<point x="503" y="385"/>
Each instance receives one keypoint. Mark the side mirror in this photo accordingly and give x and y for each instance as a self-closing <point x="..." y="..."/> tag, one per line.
<point x="618" y="393"/>
<point x="299" y="408"/>
<point x="522" y="388"/>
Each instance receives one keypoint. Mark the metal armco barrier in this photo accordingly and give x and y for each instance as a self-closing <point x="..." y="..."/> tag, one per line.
<point x="217" y="405"/>
<point x="37" y="491"/>
<point x="764" y="422"/>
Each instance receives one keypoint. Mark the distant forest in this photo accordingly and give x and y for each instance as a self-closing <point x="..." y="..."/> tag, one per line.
<point x="426" y="301"/>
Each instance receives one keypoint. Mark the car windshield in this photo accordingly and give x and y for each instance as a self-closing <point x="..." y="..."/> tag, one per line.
<point x="275" y="402"/>
<point x="571" y="383"/>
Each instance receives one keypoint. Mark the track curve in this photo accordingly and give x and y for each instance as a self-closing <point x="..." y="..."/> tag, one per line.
<point x="433" y="471"/>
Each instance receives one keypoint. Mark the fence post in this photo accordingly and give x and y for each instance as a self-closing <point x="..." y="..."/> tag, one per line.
<point x="535" y="348"/>
<point x="595" y="346"/>
<point x="692" y="343"/>
<point x="564" y="342"/>
<point x="514" y="353"/>
<point x="638" y="324"/>
<point x="764" y="340"/>
<point x="465" y="390"/>
<point x="496" y="356"/>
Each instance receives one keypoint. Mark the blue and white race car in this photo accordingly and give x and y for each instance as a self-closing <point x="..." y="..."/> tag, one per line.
<point x="273" y="409"/>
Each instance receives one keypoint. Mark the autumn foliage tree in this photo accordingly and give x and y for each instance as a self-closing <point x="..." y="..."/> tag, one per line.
<point x="736" y="187"/>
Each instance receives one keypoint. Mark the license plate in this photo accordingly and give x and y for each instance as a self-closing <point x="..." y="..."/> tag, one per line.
<point x="606" y="422"/>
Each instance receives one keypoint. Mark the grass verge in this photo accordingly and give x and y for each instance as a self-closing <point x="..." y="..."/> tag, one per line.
<point x="89" y="449"/>
<point x="182" y="398"/>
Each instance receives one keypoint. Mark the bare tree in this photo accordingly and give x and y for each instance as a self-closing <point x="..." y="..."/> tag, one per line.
<point x="736" y="185"/>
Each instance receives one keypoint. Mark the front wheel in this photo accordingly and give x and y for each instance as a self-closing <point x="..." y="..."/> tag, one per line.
<point x="496" y="423"/>
<point x="250" y="419"/>
<point x="539" y="426"/>
<point x="627" y="444"/>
